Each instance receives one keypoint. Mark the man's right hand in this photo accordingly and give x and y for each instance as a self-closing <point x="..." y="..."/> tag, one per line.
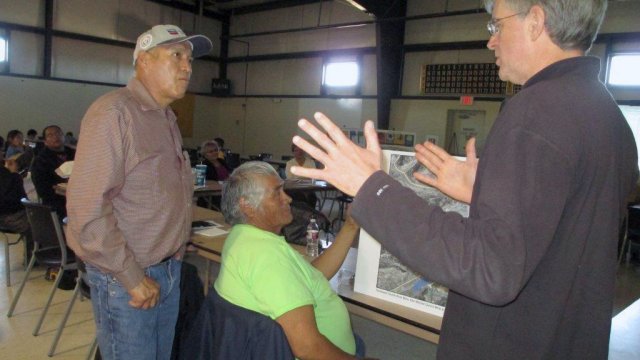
<point x="346" y="165"/>
<point x="145" y="295"/>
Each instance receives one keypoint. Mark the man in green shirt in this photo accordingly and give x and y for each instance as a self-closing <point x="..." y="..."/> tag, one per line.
<point x="262" y="272"/>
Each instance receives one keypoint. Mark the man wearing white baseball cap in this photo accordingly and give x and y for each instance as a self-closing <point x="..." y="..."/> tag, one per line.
<point x="129" y="199"/>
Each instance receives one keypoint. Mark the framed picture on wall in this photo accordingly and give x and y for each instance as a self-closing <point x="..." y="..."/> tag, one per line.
<point x="432" y="139"/>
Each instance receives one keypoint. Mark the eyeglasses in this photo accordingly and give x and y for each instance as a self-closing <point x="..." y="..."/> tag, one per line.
<point x="494" y="24"/>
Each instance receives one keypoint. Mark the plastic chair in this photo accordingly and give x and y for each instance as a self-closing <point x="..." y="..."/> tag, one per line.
<point x="342" y="200"/>
<point x="49" y="250"/>
<point x="7" y="259"/>
<point x="82" y="289"/>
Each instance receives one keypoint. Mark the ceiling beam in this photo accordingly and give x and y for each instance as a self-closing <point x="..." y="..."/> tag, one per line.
<point x="273" y="5"/>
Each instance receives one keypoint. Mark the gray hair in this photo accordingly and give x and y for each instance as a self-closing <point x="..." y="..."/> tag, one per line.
<point x="245" y="182"/>
<point x="571" y="24"/>
<point x="206" y="144"/>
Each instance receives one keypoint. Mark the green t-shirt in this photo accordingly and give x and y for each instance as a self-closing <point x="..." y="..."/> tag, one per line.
<point x="261" y="272"/>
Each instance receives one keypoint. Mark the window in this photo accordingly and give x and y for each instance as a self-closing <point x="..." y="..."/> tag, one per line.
<point x="341" y="76"/>
<point x="3" y="50"/>
<point x="632" y="114"/>
<point x="624" y="70"/>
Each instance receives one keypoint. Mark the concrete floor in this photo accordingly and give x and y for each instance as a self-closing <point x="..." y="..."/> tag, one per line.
<point x="16" y="341"/>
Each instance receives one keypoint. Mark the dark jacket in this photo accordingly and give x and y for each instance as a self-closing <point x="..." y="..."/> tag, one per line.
<point x="43" y="174"/>
<point x="11" y="191"/>
<point x="228" y="332"/>
<point x="531" y="272"/>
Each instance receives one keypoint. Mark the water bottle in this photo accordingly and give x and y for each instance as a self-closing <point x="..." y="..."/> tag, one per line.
<point x="312" y="239"/>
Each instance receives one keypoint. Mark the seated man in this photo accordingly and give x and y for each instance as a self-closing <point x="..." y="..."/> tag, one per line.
<point x="43" y="170"/>
<point x="261" y="272"/>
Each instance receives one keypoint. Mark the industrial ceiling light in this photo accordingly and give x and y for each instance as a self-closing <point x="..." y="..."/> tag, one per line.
<point x="356" y="5"/>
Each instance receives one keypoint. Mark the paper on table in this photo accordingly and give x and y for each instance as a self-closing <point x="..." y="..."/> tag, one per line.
<point x="214" y="231"/>
<point x="64" y="171"/>
<point x="203" y="224"/>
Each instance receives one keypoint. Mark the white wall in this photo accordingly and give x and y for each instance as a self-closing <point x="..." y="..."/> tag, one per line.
<point x="34" y="103"/>
<point x="121" y="20"/>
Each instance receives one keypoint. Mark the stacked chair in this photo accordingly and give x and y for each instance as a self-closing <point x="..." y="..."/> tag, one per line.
<point x="82" y="289"/>
<point x="49" y="250"/>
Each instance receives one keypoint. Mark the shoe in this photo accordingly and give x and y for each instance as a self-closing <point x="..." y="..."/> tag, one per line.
<point x="51" y="274"/>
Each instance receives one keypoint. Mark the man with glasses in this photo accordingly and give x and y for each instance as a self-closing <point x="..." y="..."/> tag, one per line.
<point x="532" y="269"/>
<point x="43" y="169"/>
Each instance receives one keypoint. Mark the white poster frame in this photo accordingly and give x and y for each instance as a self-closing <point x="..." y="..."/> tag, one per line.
<point x="368" y="263"/>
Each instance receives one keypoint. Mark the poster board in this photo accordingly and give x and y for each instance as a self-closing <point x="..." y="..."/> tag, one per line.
<point x="380" y="274"/>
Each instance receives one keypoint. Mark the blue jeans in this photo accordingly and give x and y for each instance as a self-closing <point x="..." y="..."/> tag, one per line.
<point x="361" y="349"/>
<point x="128" y="333"/>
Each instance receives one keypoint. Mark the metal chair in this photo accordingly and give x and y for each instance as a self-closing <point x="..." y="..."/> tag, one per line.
<point x="7" y="258"/>
<point x="82" y="289"/>
<point x="49" y="250"/>
<point x="631" y="234"/>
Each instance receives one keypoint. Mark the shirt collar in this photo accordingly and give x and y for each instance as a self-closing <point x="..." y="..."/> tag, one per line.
<point x="142" y="95"/>
<point x="582" y="66"/>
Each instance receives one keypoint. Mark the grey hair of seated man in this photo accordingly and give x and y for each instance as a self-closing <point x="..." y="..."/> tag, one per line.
<point x="207" y="144"/>
<point x="571" y="24"/>
<point x="244" y="182"/>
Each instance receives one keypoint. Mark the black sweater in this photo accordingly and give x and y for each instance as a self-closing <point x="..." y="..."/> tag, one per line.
<point x="11" y="191"/>
<point x="43" y="174"/>
<point x="532" y="270"/>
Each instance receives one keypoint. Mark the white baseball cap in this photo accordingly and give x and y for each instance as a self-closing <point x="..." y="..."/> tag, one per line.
<point x="171" y="34"/>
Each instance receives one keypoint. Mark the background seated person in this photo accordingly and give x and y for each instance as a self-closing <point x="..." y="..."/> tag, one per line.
<point x="300" y="158"/>
<point x="13" y="217"/>
<point x="43" y="169"/>
<point x="261" y="272"/>
<point x="216" y="166"/>
<point x="14" y="144"/>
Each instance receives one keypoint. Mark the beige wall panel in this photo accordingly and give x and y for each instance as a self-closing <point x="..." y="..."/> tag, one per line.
<point x="254" y="125"/>
<point x="24" y="12"/>
<point x="421" y="7"/>
<point x="73" y="59"/>
<point x="26" y="53"/>
<point x="285" y="77"/>
<point x="301" y="76"/>
<point x="34" y="103"/>
<point x="203" y="72"/>
<point x="429" y="117"/>
<point x="316" y="40"/>
<point x="447" y="29"/>
<point x="622" y="16"/>
<point x="125" y="19"/>
<point x="369" y="75"/>
<point x="237" y="73"/>
<point x="96" y="18"/>
<point x="297" y="17"/>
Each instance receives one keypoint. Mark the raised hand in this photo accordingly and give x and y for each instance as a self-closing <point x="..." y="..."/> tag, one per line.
<point x="453" y="177"/>
<point x="346" y="165"/>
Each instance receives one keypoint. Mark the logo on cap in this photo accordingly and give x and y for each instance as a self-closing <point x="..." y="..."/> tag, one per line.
<point x="145" y="41"/>
<point x="172" y="32"/>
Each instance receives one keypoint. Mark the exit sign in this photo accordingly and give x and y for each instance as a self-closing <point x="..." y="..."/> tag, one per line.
<point x="466" y="100"/>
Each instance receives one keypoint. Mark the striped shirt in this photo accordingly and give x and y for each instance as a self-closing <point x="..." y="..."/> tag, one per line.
<point x="129" y="197"/>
